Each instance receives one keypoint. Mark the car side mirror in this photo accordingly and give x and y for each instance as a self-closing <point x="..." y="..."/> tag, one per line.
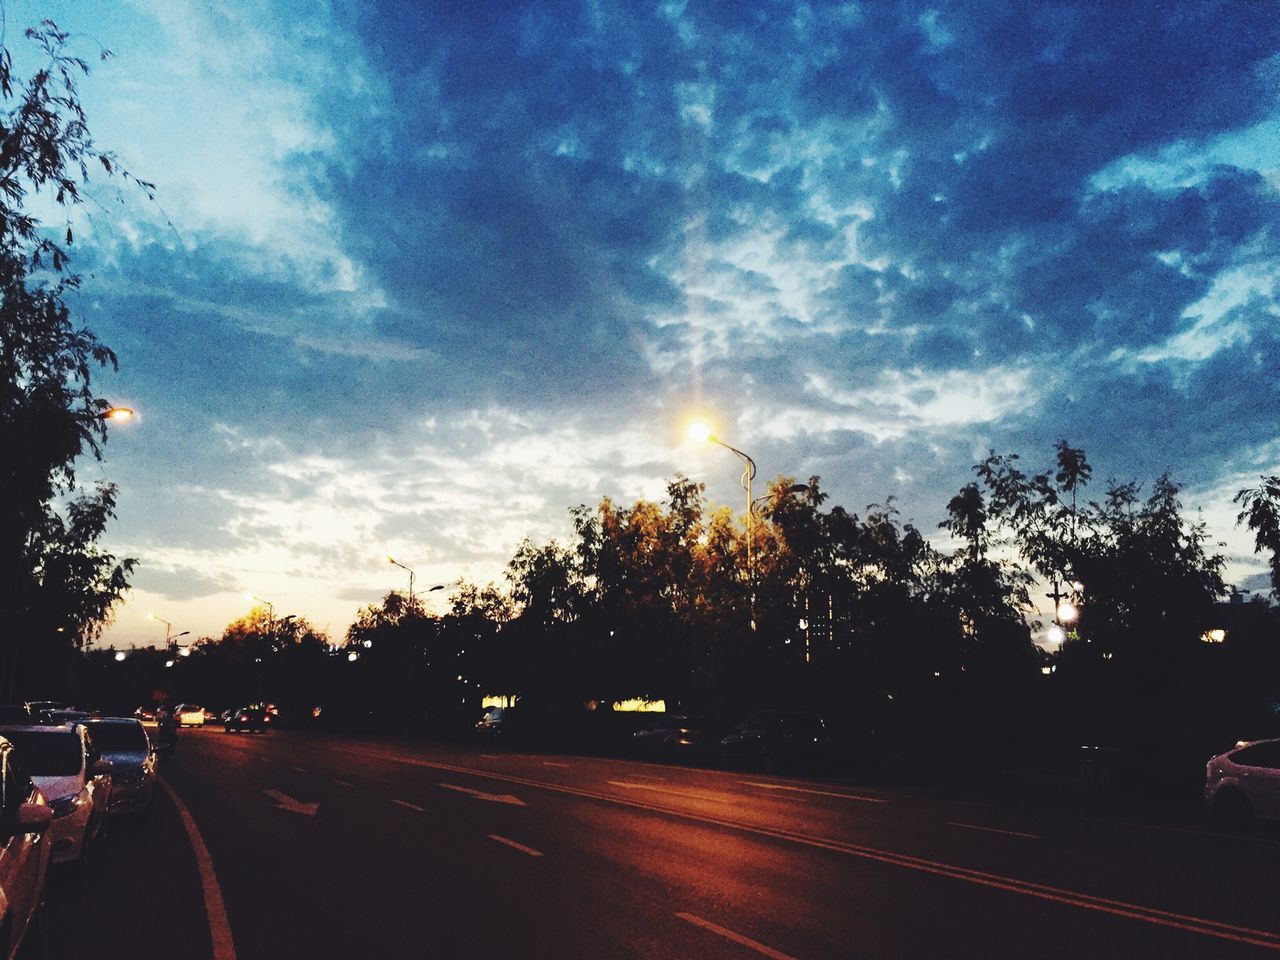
<point x="31" y="818"/>
<point x="101" y="768"/>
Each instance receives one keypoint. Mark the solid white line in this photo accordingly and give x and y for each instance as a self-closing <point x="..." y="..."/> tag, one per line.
<point x="342" y="783"/>
<point x="552" y="763"/>
<point x="737" y="938"/>
<point x="669" y="792"/>
<point x="490" y="756"/>
<point x="219" y="927"/>
<point x="411" y="806"/>
<point x="645" y="776"/>
<point x="1007" y="833"/>
<point x="516" y="846"/>
<point x="818" y="793"/>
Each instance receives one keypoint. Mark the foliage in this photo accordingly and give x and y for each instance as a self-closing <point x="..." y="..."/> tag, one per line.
<point x="47" y="406"/>
<point x="1260" y="512"/>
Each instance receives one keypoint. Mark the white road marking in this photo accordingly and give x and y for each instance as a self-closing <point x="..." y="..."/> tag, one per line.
<point x="342" y="783"/>
<point x="737" y="938"/>
<point x="490" y="756"/>
<point x="299" y="769"/>
<point x="411" y="806"/>
<point x="817" y="793"/>
<point x="219" y="929"/>
<point x="1007" y="833"/>
<point x="552" y="763"/>
<point x="516" y="846"/>
<point x="286" y="802"/>
<point x="507" y="798"/>
<point x="645" y="776"/>
<point x="675" y="793"/>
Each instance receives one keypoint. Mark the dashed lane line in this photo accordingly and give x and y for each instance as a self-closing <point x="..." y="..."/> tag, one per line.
<point x="516" y="846"/>
<point x="342" y="783"/>
<point x="737" y="938"/>
<point x="216" y="912"/>
<point x="406" y="803"/>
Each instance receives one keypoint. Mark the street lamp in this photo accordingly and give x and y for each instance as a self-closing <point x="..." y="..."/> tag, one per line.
<point x="116" y="414"/>
<point x="396" y="563"/>
<point x="700" y="432"/>
<point x="170" y="638"/>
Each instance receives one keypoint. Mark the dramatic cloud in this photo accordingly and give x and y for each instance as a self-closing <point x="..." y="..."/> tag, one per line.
<point x="424" y="275"/>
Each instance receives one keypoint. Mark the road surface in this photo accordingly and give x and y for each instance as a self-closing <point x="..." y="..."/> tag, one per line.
<point x="292" y="844"/>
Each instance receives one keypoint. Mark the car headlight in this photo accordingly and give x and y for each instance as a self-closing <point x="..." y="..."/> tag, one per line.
<point x="65" y="805"/>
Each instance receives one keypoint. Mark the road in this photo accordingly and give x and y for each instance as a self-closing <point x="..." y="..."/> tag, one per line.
<point x="292" y="844"/>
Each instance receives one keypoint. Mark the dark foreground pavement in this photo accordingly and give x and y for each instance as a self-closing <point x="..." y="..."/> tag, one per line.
<point x="340" y="847"/>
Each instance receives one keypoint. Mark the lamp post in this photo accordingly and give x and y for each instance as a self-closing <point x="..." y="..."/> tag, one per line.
<point x="170" y="638"/>
<point x="396" y="563"/>
<point x="271" y="616"/>
<point x="701" y="433"/>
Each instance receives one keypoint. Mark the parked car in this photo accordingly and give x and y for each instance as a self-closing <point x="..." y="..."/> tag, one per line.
<point x="75" y="779"/>
<point x="189" y="715"/>
<point x="249" y="719"/>
<point x="489" y="727"/>
<point x="777" y="740"/>
<point x="667" y="736"/>
<point x="124" y="742"/>
<point x="1244" y="783"/>
<point x="144" y="714"/>
<point x="65" y="715"/>
<point x="25" y="819"/>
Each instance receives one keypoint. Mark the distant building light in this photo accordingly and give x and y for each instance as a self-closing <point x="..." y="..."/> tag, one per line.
<point x="1046" y="670"/>
<point x="640" y="706"/>
<point x="168" y="663"/>
<point x="1056" y="634"/>
<point x="1216" y="635"/>
<point x="353" y="656"/>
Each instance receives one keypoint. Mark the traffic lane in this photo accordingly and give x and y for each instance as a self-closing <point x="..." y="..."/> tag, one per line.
<point x="450" y="879"/>
<point x="1192" y="875"/>
<point x="797" y="900"/>
<point x="139" y="897"/>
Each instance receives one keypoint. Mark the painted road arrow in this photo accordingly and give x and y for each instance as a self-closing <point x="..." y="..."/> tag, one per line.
<point x="481" y="795"/>
<point x="286" y="802"/>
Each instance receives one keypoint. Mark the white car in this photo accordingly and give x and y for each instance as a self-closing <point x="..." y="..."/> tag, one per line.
<point x="76" y="781"/>
<point x="24" y="851"/>
<point x="1244" y="783"/>
<point x="189" y="715"/>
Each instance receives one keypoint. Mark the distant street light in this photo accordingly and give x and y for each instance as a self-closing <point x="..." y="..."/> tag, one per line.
<point x="170" y="638"/>
<point x="116" y="414"/>
<point x="120" y="655"/>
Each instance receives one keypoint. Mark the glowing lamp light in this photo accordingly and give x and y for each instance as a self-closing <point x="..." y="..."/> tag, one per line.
<point x="352" y="657"/>
<point x="1067" y="612"/>
<point x="117" y="414"/>
<point x="699" y="432"/>
<point x="1217" y="635"/>
<point x="184" y="652"/>
<point x="1057" y="634"/>
<point x="120" y="656"/>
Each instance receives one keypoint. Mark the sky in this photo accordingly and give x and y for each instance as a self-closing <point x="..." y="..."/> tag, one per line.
<point x="420" y="277"/>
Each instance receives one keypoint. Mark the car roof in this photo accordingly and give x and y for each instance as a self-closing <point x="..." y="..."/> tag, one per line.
<point x="97" y="721"/>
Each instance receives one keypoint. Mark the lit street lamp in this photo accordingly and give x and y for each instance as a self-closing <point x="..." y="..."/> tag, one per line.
<point x="700" y="432"/>
<point x="170" y="638"/>
<point x="116" y="414"/>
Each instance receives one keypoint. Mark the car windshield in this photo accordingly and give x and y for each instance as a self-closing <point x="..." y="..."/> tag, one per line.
<point x="119" y="737"/>
<point x="48" y="754"/>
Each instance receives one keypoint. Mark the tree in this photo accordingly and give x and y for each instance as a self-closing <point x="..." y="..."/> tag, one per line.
<point x="1260" y="512"/>
<point x="48" y="410"/>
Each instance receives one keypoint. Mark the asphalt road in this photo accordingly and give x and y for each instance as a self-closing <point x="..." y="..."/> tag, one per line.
<point x="292" y="845"/>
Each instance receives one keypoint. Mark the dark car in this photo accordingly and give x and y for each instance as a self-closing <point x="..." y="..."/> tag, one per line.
<point x="251" y="719"/>
<point x="492" y="725"/>
<point x="124" y="742"/>
<point x="671" y="737"/>
<point x="777" y="740"/>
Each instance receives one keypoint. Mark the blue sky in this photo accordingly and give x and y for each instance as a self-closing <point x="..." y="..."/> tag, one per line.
<point x="422" y="276"/>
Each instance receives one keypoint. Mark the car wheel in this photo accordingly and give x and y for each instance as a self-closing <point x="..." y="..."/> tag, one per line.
<point x="1232" y="808"/>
